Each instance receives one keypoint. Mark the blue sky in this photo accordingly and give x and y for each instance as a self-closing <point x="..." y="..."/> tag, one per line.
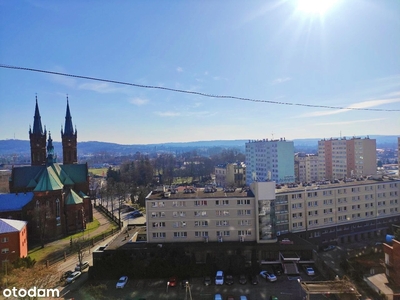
<point x="347" y="55"/>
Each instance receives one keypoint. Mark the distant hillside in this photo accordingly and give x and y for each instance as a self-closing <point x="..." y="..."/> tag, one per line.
<point x="22" y="147"/>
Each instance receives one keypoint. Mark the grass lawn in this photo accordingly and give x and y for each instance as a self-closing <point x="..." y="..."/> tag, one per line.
<point x="99" y="172"/>
<point x="55" y="248"/>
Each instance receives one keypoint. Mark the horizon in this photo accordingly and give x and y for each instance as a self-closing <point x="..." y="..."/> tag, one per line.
<point x="283" y="63"/>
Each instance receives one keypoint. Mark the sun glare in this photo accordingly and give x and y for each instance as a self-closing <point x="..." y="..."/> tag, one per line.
<point x="315" y="6"/>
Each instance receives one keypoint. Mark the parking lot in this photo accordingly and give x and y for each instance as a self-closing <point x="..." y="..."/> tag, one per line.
<point x="285" y="288"/>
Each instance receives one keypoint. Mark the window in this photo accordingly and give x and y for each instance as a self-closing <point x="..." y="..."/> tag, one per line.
<point x="180" y="234"/>
<point x="57" y="208"/>
<point x="243" y="202"/>
<point x="200" y="213"/>
<point x="157" y="204"/>
<point x="243" y="212"/>
<point x="159" y="235"/>
<point x="4" y="239"/>
<point x="178" y="203"/>
<point x="200" y="223"/>
<point x="158" y="224"/>
<point x="222" y="223"/>
<point x="159" y="214"/>
<point x="222" y="213"/>
<point x="244" y="222"/>
<point x="176" y="214"/>
<point x="5" y="250"/>
<point x="223" y="233"/>
<point x="244" y="232"/>
<point x="200" y="202"/>
<point x="201" y="233"/>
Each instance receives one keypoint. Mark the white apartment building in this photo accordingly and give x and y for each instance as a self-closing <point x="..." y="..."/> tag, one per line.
<point x="270" y="160"/>
<point x="230" y="174"/>
<point x="306" y="167"/>
<point x="322" y="213"/>
<point x="341" y="158"/>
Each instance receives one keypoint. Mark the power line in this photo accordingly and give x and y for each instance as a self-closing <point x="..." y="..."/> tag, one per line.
<point x="192" y="92"/>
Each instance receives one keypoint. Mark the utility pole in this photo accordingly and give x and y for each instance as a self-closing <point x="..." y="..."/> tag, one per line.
<point x="188" y="291"/>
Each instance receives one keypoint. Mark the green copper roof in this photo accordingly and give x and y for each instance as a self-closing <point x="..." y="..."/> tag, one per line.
<point x="73" y="198"/>
<point x="65" y="179"/>
<point x="48" y="181"/>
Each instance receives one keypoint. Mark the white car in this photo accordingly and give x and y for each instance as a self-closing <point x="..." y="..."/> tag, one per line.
<point x="269" y="276"/>
<point x="122" y="282"/>
<point x="310" y="271"/>
<point x="219" y="278"/>
<point x="73" y="276"/>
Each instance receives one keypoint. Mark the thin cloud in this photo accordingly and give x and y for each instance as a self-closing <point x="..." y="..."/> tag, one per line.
<point x="179" y="69"/>
<point x="364" y="104"/>
<point x="101" y="87"/>
<point x="168" y="113"/>
<point x="139" y="101"/>
<point x="348" y="122"/>
<point x="280" y="80"/>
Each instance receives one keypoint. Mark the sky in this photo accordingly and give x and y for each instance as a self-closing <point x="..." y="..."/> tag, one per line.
<point x="298" y="52"/>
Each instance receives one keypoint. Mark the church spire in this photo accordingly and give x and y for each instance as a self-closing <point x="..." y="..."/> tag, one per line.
<point x="50" y="150"/>
<point x="69" y="140"/>
<point x="37" y="123"/>
<point x="68" y="128"/>
<point x="37" y="139"/>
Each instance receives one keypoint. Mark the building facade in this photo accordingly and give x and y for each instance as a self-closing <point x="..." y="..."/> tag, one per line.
<point x="341" y="158"/>
<point x="306" y="167"/>
<point x="270" y="161"/>
<point x="392" y="261"/>
<point x="323" y="213"/>
<point x="13" y="240"/>
<point x="230" y="175"/>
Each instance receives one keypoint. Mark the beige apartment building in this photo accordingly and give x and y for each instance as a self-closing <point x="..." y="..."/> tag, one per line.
<point x="230" y="175"/>
<point x="322" y="213"/>
<point x="306" y="167"/>
<point x="346" y="158"/>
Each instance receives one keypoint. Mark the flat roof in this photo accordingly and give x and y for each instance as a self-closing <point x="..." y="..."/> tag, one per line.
<point x="193" y="193"/>
<point x="341" y="286"/>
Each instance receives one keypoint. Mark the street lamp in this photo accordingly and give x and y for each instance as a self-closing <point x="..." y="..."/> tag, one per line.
<point x="298" y="280"/>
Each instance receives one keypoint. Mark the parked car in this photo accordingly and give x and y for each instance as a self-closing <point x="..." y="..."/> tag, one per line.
<point x="243" y="297"/>
<point x="254" y="279"/>
<point x="309" y="270"/>
<point x="230" y="297"/>
<point x="273" y="298"/>
<point x="73" y="276"/>
<point x="329" y="248"/>
<point x="229" y="279"/>
<point x="219" y="278"/>
<point x="207" y="281"/>
<point x="172" y="281"/>
<point x="122" y="282"/>
<point x="82" y="266"/>
<point x="242" y="279"/>
<point x="65" y="275"/>
<point x="269" y="276"/>
<point x="185" y="283"/>
<point x="217" y="297"/>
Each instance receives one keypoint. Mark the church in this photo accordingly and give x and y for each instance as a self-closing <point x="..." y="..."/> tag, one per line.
<point x="52" y="197"/>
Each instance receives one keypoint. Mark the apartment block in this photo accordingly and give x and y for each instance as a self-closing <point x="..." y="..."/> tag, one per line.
<point x="306" y="167"/>
<point x="13" y="240"/>
<point x="322" y="213"/>
<point x="230" y="175"/>
<point x="269" y="160"/>
<point x="346" y="158"/>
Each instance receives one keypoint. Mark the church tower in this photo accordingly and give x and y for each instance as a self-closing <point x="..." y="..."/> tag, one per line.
<point x="37" y="139"/>
<point x="69" y="140"/>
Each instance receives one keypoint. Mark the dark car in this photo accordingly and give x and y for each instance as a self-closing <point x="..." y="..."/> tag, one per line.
<point x="185" y="283"/>
<point x="277" y="269"/>
<point x="229" y="279"/>
<point x="329" y="248"/>
<point x="172" y="281"/>
<point x="242" y="279"/>
<point x="65" y="275"/>
<point x="207" y="281"/>
<point x="254" y="279"/>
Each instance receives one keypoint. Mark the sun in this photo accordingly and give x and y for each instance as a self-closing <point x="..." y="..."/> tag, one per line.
<point x="315" y="6"/>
